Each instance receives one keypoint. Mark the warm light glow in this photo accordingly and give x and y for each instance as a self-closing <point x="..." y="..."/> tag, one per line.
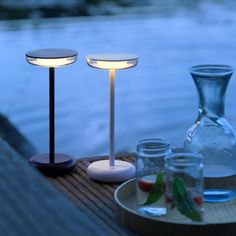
<point x="52" y="62"/>
<point x="112" y="65"/>
<point x="112" y="61"/>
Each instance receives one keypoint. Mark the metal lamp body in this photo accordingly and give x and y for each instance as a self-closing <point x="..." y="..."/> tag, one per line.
<point x="52" y="163"/>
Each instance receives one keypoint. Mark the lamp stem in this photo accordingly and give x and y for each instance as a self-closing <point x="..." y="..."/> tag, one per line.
<point x="52" y="115"/>
<point x="112" y="118"/>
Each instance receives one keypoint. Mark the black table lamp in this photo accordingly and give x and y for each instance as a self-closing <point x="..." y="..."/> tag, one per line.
<point x="52" y="163"/>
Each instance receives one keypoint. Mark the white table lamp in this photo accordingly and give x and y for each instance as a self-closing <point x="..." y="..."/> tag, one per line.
<point x="111" y="170"/>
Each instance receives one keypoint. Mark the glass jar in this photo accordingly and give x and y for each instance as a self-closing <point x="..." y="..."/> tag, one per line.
<point x="184" y="187"/>
<point x="150" y="161"/>
<point x="211" y="135"/>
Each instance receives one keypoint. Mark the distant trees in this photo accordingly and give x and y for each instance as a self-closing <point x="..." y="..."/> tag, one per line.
<point x="15" y="9"/>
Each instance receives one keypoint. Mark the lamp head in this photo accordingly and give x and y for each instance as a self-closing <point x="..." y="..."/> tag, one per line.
<point x="112" y="61"/>
<point x="51" y="57"/>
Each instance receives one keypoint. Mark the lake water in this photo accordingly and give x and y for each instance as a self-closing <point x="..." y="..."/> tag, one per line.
<point x="155" y="99"/>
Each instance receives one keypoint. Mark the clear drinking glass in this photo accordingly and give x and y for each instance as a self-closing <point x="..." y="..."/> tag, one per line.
<point x="211" y="135"/>
<point x="184" y="186"/>
<point x="150" y="161"/>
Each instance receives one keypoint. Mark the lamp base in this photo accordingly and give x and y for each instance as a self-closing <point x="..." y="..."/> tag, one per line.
<point x="102" y="171"/>
<point x="62" y="165"/>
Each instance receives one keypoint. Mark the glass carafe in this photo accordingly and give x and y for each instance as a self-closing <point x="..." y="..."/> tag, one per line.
<point x="211" y="135"/>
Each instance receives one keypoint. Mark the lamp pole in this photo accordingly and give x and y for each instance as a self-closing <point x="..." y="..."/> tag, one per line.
<point x="52" y="115"/>
<point x="112" y="118"/>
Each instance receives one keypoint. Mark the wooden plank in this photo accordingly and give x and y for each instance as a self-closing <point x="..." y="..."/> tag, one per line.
<point x="90" y="193"/>
<point x="63" y="187"/>
<point x="83" y="177"/>
<point x="93" y="197"/>
<point x="94" y="206"/>
<point x="105" y="189"/>
<point x="94" y="190"/>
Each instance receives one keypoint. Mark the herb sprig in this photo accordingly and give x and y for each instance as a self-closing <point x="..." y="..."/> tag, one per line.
<point x="184" y="202"/>
<point x="156" y="192"/>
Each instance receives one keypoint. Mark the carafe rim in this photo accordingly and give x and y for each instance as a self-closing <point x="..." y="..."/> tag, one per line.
<point x="211" y="70"/>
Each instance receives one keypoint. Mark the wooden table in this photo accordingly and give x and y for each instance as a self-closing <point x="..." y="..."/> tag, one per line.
<point x="94" y="198"/>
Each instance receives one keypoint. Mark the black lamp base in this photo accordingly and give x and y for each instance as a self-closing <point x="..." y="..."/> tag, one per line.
<point x="62" y="165"/>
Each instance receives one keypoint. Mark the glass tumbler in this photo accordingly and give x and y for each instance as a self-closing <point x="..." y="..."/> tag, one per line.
<point x="150" y="161"/>
<point x="184" y="186"/>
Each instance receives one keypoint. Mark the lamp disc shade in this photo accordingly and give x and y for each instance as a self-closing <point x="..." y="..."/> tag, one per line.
<point x="51" y="57"/>
<point x="112" y="61"/>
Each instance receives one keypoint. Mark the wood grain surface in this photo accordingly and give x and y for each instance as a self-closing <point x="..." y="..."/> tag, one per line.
<point x="94" y="198"/>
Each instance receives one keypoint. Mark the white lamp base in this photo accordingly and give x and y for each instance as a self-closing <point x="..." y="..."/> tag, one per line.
<point x="102" y="171"/>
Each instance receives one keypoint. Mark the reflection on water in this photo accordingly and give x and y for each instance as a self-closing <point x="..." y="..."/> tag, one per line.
<point x="155" y="99"/>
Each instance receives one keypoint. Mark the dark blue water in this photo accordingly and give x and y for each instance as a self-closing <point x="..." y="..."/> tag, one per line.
<point x="155" y="99"/>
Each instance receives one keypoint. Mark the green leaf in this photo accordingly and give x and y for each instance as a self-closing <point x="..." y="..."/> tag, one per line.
<point x="156" y="192"/>
<point x="184" y="202"/>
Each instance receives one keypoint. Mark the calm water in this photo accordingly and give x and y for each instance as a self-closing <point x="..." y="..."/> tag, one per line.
<point x="155" y="99"/>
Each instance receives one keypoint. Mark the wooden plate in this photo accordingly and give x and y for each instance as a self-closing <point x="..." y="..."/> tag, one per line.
<point x="219" y="218"/>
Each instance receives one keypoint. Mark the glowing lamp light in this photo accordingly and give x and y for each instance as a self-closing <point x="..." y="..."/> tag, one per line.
<point x="52" y="163"/>
<point x="112" y="61"/>
<point x="111" y="170"/>
<point x="51" y="62"/>
<point x="51" y="57"/>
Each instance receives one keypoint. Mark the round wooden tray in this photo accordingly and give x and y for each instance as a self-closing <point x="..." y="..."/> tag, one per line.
<point x="219" y="218"/>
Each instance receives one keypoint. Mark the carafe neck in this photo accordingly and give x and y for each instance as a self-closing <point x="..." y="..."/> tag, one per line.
<point x="211" y="82"/>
